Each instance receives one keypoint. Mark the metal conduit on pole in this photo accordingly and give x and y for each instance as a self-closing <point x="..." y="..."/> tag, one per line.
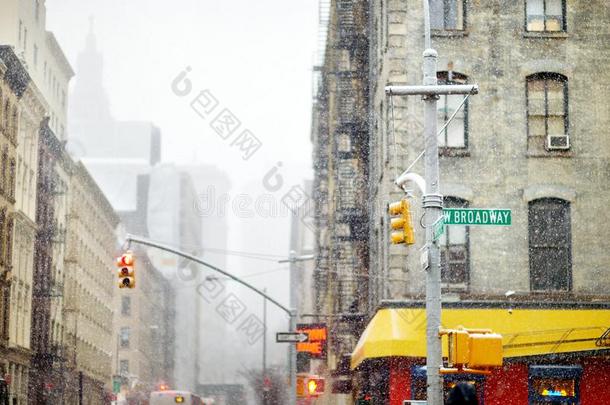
<point x="291" y="312"/>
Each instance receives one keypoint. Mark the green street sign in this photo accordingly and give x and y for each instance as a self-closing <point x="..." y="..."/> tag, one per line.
<point x="116" y="384"/>
<point x="477" y="216"/>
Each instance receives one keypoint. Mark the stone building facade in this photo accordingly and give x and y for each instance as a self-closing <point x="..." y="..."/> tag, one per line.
<point x="31" y="112"/>
<point x="23" y="26"/>
<point x="531" y="141"/>
<point x="13" y="84"/>
<point x="89" y="290"/>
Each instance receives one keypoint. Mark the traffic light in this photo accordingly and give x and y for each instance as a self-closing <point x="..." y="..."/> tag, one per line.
<point x="401" y="225"/>
<point x="474" y="349"/>
<point x="126" y="270"/>
<point x="315" y="386"/>
<point x="309" y="386"/>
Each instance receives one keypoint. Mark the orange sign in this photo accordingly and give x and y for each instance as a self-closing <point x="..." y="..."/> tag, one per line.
<point x="316" y="345"/>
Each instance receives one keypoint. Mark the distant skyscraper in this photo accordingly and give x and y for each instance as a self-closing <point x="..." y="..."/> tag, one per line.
<point x="115" y="152"/>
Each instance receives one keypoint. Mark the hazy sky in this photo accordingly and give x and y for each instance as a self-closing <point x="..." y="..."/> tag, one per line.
<point x="255" y="57"/>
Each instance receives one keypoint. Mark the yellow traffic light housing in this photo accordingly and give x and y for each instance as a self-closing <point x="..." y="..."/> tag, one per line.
<point x="126" y="270"/>
<point x="402" y="225"/>
<point x="485" y="350"/>
<point x="473" y="350"/>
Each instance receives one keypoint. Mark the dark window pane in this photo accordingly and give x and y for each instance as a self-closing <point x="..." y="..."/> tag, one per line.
<point x="549" y="244"/>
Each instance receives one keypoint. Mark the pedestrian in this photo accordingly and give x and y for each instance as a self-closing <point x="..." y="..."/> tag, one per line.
<point x="462" y="393"/>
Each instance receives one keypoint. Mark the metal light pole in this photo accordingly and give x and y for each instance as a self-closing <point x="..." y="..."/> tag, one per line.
<point x="265" y="392"/>
<point x="432" y="203"/>
<point x="292" y="353"/>
<point x="291" y="312"/>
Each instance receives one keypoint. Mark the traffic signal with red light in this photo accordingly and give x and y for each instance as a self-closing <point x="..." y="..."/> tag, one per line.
<point x="126" y="270"/>
<point x="402" y="226"/>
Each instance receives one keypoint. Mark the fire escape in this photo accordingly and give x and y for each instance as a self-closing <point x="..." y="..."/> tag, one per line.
<point x="349" y="227"/>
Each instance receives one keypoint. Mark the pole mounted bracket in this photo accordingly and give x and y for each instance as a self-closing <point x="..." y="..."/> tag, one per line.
<point x="432" y="201"/>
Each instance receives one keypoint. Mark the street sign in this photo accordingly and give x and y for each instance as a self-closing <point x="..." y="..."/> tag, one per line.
<point x="316" y="345"/>
<point x="291" y="337"/>
<point x="439" y="228"/>
<point x="477" y="216"/>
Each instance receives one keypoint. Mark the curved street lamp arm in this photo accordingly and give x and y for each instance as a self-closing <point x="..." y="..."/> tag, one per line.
<point x="146" y="242"/>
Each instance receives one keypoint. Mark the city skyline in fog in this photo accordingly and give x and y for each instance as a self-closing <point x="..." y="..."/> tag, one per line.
<point x="258" y="65"/>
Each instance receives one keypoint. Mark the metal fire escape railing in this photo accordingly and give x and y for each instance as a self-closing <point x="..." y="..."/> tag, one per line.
<point x="349" y="243"/>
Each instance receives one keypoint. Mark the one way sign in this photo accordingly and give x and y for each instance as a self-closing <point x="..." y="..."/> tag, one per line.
<point x="291" y="337"/>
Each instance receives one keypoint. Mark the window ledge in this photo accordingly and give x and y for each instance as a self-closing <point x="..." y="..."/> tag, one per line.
<point x="551" y="154"/>
<point x="453" y="152"/>
<point x="545" y="34"/>
<point x="449" y="33"/>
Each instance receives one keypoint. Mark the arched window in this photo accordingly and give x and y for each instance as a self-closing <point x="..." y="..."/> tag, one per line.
<point x="547" y="112"/>
<point x="455" y="135"/>
<point x="455" y="256"/>
<point x="550" y="240"/>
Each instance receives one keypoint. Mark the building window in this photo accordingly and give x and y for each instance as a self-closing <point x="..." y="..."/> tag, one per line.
<point x="126" y="305"/>
<point x="447" y="15"/>
<point x="550" y="255"/>
<point x="545" y="15"/>
<point x="124" y="367"/>
<point x="2" y="234"/>
<point x="454" y="245"/>
<point x="547" y="112"/>
<point x="7" y="113"/>
<point x="554" y="384"/>
<point x="3" y="183"/>
<point x="124" y="337"/>
<point x="15" y="125"/>
<point x="9" y="241"/>
<point x="455" y="135"/>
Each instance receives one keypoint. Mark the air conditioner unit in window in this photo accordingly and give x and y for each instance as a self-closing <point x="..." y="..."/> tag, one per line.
<point x="558" y="142"/>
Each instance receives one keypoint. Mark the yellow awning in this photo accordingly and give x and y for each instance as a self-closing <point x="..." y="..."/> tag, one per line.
<point x="401" y="332"/>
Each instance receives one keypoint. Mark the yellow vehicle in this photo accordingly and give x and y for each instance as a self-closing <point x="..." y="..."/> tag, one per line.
<point x="175" y="397"/>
